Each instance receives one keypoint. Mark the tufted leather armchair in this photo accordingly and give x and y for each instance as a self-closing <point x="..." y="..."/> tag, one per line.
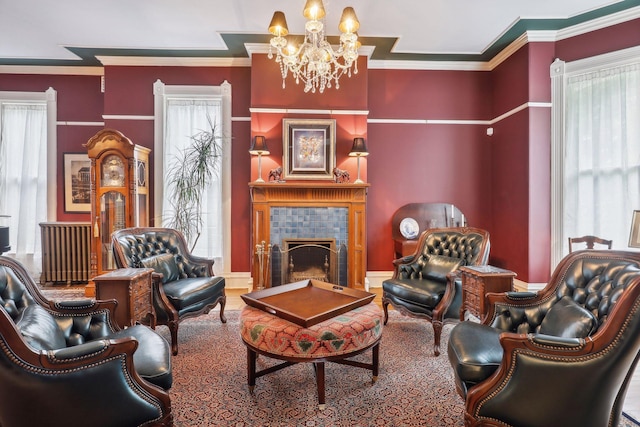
<point x="562" y="356"/>
<point x="425" y="285"/>
<point x="68" y="363"/>
<point x="184" y="285"/>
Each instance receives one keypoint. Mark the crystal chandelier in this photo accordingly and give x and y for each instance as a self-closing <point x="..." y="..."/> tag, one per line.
<point x="315" y="62"/>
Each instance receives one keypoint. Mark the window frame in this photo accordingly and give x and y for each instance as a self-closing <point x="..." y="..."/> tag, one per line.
<point x="162" y="92"/>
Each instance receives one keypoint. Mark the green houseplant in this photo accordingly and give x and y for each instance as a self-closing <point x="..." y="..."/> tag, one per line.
<point x="189" y="175"/>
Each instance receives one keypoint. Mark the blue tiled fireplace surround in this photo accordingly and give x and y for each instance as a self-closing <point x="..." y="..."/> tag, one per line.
<point x="297" y="222"/>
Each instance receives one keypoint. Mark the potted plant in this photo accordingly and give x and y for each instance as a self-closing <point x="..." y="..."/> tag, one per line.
<point x="189" y="175"/>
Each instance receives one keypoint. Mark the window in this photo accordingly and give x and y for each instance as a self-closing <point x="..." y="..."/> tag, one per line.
<point x="595" y="148"/>
<point x="180" y="113"/>
<point x="27" y="169"/>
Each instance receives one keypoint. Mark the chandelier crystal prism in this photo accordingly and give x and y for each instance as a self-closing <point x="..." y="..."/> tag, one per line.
<point x="315" y="62"/>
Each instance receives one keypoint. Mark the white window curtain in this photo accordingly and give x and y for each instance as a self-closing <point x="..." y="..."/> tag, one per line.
<point x="601" y="162"/>
<point x="23" y="176"/>
<point x="183" y="119"/>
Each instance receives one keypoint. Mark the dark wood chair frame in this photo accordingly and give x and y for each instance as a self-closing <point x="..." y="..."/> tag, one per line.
<point x="171" y="318"/>
<point x="438" y="317"/>
<point x="590" y="241"/>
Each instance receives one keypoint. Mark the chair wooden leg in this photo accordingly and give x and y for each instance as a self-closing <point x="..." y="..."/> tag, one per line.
<point x="385" y="307"/>
<point x="437" y="332"/>
<point x="173" y="329"/>
<point x="223" y="302"/>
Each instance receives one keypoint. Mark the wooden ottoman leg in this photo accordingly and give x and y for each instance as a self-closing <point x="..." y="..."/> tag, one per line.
<point x="251" y="368"/>
<point x="375" y="361"/>
<point x="319" y="368"/>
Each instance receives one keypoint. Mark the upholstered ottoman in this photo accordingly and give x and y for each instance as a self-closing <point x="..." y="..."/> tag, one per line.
<point x="333" y="340"/>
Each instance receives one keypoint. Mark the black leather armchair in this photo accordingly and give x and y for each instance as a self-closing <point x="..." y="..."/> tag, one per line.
<point x="68" y="364"/>
<point x="184" y="285"/>
<point x="423" y="284"/>
<point x="563" y="356"/>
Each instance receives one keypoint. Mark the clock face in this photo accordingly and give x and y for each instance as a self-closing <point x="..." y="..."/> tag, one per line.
<point x="112" y="171"/>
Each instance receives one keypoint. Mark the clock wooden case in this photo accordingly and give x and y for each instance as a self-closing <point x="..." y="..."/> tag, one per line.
<point x="119" y="192"/>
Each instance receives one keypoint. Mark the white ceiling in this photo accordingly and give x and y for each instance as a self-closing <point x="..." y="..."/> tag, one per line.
<point x="75" y="32"/>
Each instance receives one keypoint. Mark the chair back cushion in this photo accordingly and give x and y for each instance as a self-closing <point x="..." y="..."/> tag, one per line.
<point x="40" y="329"/>
<point x="164" y="264"/>
<point x="568" y="319"/>
<point x="439" y="266"/>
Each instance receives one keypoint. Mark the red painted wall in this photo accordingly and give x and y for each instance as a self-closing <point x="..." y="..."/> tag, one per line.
<point x="501" y="183"/>
<point x="411" y="162"/>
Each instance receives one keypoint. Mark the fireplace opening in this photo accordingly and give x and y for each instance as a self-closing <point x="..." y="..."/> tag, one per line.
<point x="304" y="259"/>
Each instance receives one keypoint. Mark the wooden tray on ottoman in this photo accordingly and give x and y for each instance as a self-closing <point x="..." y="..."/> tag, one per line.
<point x="307" y="302"/>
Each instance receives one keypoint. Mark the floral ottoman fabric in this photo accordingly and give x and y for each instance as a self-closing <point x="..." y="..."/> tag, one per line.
<point x="343" y="334"/>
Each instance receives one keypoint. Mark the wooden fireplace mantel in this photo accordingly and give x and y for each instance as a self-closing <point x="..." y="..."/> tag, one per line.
<point x="313" y="194"/>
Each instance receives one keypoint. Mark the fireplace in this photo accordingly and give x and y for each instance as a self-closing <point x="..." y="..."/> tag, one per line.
<point x="304" y="259"/>
<point x="321" y="220"/>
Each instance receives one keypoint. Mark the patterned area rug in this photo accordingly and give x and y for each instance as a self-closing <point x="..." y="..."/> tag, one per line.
<point x="210" y="382"/>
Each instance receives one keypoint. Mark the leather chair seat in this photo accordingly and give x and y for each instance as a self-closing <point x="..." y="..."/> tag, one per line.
<point x="194" y="291"/>
<point x="474" y="351"/>
<point x="152" y="358"/>
<point x="418" y="292"/>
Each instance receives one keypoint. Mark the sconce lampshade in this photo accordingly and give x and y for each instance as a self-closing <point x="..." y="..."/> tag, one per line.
<point x="359" y="148"/>
<point x="259" y="146"/>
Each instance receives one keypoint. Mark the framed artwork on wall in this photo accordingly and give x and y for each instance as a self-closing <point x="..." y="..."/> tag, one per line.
<point x="77" y="182"/>
<point x="309" y="148"/>
<point x="634" y="237"/>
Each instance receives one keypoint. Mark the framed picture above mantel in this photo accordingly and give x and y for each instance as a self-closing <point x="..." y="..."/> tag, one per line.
<point x="309" y="148"/>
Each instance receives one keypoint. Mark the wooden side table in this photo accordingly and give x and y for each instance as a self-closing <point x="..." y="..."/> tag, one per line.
<point x="479" y="280"/>
<point x="132" y="288"/>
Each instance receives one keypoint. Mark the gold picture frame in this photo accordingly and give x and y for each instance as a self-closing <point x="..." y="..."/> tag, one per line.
<point x="634" y="236"/>
<point x="77" y="182"/>
<point x="309" y="148"/>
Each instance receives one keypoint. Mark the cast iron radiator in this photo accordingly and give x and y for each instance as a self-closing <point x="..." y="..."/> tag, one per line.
<point x="66" y="252"/>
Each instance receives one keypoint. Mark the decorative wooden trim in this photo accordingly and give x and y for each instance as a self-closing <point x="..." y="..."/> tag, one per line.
<point x="314" y="194"/>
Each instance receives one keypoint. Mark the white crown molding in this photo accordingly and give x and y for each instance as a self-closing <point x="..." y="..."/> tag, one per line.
<point x="57" y="70"/>
<point x="599" y="23"/>
<point x="172" y="61"/>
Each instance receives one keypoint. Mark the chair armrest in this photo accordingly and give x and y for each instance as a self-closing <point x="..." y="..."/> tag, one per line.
<point x="81" y="351"/>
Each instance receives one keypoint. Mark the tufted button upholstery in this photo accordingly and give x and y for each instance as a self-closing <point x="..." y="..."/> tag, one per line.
<point x="420" y="287"/>
<point x="197" y="289"/>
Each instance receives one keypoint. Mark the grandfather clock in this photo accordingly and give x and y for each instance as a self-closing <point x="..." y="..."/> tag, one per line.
<point x="119" y="192"/>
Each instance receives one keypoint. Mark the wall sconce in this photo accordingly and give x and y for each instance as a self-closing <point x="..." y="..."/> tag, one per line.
<point x="258" y="148"/>
<point x="358" y="150"/>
